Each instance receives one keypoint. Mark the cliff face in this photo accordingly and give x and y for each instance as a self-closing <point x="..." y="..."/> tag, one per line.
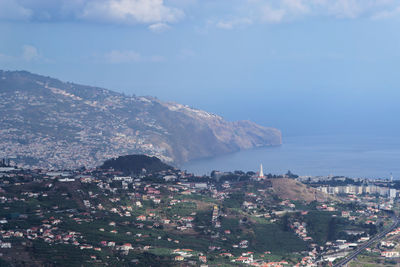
<point x="49" y="123"/>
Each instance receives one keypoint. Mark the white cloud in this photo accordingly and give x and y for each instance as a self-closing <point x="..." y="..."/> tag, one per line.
<point x="106" y="11"/>
<point x="184" y="3"/>
<point x="233" y="23"/>
<point x="29" y="53"/>
<point x="130" y="56"/>
<point x="131" y="11"/>
<point x="352" y="9"/>
<point x="159" y="27"/>
<point x="269" y="14"/>
<point x="127" y="56"/>
<point x="296" y="6"/>
<point x="346" y="8"/>
<point x="387" y="14"/>
<point x="158" y="15"/>
<point x="12" y="10"/>
<point x="277" y="11"/>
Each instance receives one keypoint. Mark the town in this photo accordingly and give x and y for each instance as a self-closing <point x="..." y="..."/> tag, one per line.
<point x="164" y="216"/>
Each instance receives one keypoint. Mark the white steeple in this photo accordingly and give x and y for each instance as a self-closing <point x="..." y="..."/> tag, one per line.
<point x="261" y="174"/>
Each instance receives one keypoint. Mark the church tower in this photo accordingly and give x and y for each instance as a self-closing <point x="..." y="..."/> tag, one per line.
<point x="261" y="174"/>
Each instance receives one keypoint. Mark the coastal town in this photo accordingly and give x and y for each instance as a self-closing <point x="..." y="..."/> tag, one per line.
<point x="199" y="133"/>
<point x="108" y="217"/>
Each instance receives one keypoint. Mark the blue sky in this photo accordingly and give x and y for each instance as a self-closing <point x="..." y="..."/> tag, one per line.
<point x="304" y="66"/>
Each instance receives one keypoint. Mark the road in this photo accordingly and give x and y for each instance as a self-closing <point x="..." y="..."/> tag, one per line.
<point x="360" y="249"/>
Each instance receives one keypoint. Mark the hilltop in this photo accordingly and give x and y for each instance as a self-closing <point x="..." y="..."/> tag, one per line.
<point x="285" y="188"/>
<point x="136" y="164"/>
<point x="49" y="123"/>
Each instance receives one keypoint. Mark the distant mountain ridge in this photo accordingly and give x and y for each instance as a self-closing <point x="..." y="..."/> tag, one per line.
<point x="49" y="123"/>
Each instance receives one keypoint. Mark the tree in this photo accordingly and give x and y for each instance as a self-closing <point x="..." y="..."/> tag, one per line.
<point x="332" y="228"/>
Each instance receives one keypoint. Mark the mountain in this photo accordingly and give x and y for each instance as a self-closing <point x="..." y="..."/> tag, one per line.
<point x="49" y="123"/>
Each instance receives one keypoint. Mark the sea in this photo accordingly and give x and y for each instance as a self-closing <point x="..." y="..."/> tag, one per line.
<point x="355" y="156"/>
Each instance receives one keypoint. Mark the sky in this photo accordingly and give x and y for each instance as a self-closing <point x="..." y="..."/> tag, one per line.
<point x="304" y="66"/>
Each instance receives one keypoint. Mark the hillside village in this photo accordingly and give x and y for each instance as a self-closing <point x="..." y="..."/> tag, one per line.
<point x="109" y="217"/>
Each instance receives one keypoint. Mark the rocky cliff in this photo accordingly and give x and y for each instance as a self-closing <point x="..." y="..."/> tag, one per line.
<point x="49" y="123"/>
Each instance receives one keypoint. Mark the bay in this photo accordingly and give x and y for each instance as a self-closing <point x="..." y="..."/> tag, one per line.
<point x="348" y="155"/>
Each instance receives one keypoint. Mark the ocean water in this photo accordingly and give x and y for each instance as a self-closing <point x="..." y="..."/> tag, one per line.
<point x="349" y="155"/>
